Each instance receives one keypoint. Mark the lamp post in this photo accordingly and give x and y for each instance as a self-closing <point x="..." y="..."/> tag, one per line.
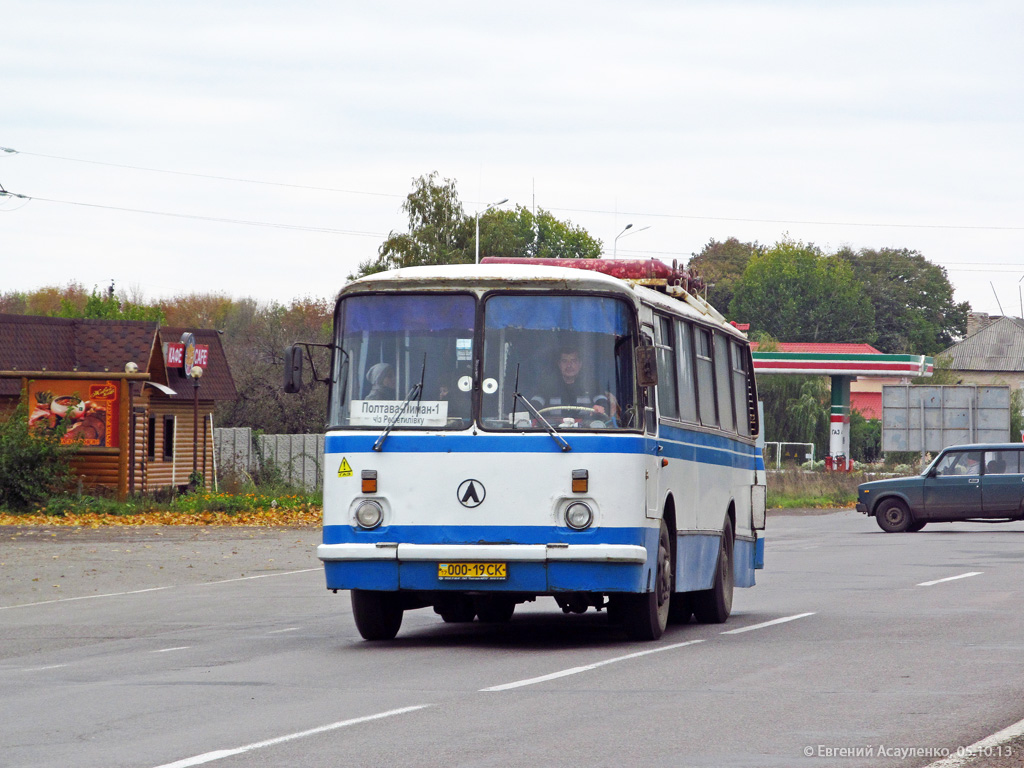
<point x="489" y="207"/>
<point x="195" y="374"/>
<point x="615" y="242"/>
<point x="615" y="245"/>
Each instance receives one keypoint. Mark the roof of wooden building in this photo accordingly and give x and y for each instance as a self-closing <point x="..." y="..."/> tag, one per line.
<point x="33" y="343"/>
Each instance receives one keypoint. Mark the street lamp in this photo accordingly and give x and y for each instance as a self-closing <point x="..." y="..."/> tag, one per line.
<point x="615" y="242"/>
<point x="615" y="245"/>
<point x="195" y="374"/>
<point x="492" y="205"/>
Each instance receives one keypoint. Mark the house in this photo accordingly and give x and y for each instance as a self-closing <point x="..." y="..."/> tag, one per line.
<point x="124" y="389"/>
<point x="991" y="354"/>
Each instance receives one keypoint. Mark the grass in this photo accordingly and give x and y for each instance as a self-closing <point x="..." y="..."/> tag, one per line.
<point x="792" y="488"/>
<point x="276" y="506"/>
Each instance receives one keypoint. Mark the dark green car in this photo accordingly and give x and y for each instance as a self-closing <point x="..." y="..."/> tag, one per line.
<point x="965" y="482"/>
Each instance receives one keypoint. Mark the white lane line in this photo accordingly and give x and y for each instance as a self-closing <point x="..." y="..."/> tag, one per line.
<point x="950" y="578"/>
<point x="168" y="650"/>
<point x="155" y="589"/>
<point x="989" y="743"/>
<point x="220" y="754"/>
<point x="586" y="668"/>
<point x="41" y="669"/>
<point x="279" y="631"/>
<point x="764" y="624"/>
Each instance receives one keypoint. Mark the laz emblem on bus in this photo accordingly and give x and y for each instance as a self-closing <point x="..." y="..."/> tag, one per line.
<point x="471" y="493"/>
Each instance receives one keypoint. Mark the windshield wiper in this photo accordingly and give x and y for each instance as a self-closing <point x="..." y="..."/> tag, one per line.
<point x="417" y="392"/>
<point x="547" y="425"/>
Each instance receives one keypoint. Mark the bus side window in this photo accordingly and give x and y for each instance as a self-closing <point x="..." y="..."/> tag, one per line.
<point x="687" y="383"/>
<point x="723" y="383"/>
<point x="739" y="388"/>
<point x="705" y="378"/>
<point x="668" y="400"/>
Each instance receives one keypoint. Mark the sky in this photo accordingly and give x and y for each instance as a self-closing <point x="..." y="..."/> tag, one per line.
<point x="264" y="149"/>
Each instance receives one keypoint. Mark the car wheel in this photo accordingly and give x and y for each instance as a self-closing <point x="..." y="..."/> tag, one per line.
<point x="916" y="526"/>
<point x="893" y="516"/>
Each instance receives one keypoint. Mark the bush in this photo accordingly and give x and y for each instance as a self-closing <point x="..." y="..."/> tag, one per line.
<point x="33" y="466"/>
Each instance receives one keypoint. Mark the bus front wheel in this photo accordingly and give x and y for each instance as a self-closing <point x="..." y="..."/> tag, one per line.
<point x="378" y="615"/>
<point x="713" y="606"/>
<point x="645" y="616"/>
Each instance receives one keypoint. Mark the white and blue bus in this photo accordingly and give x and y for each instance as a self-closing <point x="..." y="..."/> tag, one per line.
<point x="501" y="432"/>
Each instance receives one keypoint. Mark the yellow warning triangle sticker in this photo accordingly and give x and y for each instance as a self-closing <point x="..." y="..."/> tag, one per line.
<point x="344" y="470"/>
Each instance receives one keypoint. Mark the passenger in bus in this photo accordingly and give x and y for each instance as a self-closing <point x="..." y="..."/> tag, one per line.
<point x="568" y="387"/>
<point x="381" y="378"/>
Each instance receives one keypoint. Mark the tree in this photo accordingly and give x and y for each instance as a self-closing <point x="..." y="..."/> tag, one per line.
<point x="912" y="298"/>
<point x="796" y="409"/>
<point x="721" y="265"/>
<point x="440" y="232"/>
<point x="797" y="293"/>
<point x="107" y="306"/>
<point x="520" y="234"/>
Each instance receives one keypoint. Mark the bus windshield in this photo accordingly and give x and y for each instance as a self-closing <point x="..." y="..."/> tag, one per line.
<point x="389" y="344"/>
<point x="570" y="356"/>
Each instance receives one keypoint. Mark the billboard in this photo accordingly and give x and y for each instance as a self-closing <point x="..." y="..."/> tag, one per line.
<point x="930" y="418"/>
<point x="89" y="409"/>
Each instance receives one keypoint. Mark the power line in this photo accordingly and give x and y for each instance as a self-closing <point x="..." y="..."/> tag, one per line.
<point x="217" y="219"/>
<point x="687" y="217"/>
<point x="10" y="151"/>
<point x="639" y="214"/>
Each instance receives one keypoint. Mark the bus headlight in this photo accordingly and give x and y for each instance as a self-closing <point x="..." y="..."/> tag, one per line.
<point x="579" y="515"/>
<point x="369" y="514"/>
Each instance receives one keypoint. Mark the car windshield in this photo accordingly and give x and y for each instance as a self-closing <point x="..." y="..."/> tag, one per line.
<point x="390" y="344"/>
<point x="570" y="357"/>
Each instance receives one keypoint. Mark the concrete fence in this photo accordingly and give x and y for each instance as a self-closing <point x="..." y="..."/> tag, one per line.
<point x="298" y="458"/>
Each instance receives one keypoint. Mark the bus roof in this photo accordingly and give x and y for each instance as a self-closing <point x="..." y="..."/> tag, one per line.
<point x="489" y="276"/>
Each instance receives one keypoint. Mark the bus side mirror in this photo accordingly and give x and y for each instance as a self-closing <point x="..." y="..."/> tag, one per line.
<point x="646" y="366"/>
<point x="293" y="369"/>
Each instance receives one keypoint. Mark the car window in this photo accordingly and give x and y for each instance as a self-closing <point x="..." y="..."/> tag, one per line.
<point x="959" y="463"/>
<point x="1002" y="462"/>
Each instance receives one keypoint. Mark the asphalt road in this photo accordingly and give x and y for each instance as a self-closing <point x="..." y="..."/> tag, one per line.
<point x="220" y="647"/>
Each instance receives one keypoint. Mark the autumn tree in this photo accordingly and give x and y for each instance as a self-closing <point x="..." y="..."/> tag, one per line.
<point x="795" y="292"/>
<point x="912" y="300"/>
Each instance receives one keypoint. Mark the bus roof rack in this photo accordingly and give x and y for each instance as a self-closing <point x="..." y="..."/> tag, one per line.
<point x="672" y="280"/>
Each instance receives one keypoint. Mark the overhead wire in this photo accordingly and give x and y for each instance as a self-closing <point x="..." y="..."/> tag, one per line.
<point x="648" y="214"/>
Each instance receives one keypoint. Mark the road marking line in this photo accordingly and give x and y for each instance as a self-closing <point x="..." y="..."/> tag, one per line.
<point x="279" y="631"/>
<point x="40" y="669"/>
<point x="168" y="650"/>
<point x="155" y="589"/>
<point x="764" y="624"/>
<point x="586" y="668"/>
<point x="220" y="754"/>
<point x="978" y="748"/>
<point x="950" y="578"/>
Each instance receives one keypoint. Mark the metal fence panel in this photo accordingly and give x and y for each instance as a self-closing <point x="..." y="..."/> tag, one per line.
<point x="298" y="458"/>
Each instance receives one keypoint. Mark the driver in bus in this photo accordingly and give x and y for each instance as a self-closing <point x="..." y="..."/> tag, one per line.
<point x="568" y="389"/>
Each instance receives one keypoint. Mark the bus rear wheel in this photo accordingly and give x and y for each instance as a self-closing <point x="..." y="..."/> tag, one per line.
<point x="645" y="616"/>
<point x="378" y="615"/>
<point x="713" y="606"/>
